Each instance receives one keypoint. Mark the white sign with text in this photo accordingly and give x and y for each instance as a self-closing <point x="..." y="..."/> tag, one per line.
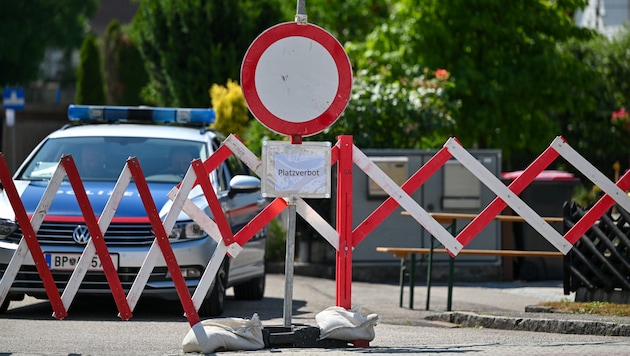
<point x="302" y="169"/>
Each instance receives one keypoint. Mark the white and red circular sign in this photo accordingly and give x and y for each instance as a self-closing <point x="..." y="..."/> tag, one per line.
<point x="296" y="79"/>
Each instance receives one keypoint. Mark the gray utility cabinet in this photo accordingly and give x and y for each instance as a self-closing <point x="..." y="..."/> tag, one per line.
<point x="451" y="189"/>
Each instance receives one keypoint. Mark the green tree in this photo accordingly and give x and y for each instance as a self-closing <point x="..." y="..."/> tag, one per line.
<point x="30" y="27"/>
<point x="124" y="68"/>
<point x="349" y="20"/>
<point x="503" y="54"/>
<point x="190" y="45"/>
<point x="90" y="83"/>
<point x="603" y="90"/>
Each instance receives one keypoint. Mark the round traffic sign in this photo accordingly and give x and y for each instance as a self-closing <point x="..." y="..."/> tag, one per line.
<point x="296" y="79"/>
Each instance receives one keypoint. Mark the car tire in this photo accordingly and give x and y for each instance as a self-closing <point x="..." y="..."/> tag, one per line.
<point x="215" y="303"/>
<point x="251" y="290"/>
<point x="5" y="305"/>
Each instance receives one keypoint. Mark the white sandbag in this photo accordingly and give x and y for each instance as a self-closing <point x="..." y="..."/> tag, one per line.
<point x="347" y="325"/>
<point x="225" y="334"/>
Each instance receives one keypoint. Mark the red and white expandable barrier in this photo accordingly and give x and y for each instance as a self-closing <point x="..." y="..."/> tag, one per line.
<point x="343" y="238"/>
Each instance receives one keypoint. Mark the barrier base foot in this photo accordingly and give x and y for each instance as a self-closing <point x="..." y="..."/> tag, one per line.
<point x="302" y="336"/>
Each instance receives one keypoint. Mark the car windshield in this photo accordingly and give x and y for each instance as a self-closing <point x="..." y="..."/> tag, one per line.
<point x="103" y="158"/>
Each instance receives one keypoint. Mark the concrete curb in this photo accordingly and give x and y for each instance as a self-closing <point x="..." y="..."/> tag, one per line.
<point x="550" y="325"/>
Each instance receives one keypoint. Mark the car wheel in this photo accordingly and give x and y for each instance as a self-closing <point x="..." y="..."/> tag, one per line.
<point x="5" y="305"/>
<point x="250" y="290"/>
<point x="215" y="303"/>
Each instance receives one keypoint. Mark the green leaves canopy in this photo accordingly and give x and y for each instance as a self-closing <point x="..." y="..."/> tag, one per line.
<point x="29" y="28"/>
<point x="590" y="127"/>
<point x="189" y="45"/>
<point x="503" y="56"/>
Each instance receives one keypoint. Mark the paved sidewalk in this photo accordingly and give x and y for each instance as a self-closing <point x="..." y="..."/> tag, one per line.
<point x="490" y="305"/>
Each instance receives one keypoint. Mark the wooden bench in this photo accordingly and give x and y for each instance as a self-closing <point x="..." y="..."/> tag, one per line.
<point x="404" y="253"/>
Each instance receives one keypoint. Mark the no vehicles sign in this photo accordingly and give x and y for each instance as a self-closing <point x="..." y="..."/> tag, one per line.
<point x="296" y="79"/>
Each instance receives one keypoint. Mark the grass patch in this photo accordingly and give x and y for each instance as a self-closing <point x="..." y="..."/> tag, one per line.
<point x="599" y="308"/>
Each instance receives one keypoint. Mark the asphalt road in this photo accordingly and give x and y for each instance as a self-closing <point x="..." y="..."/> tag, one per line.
<point x="92" y="327"/>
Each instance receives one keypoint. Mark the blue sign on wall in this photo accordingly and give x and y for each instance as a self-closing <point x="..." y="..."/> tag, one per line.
<point x="13" y="98"/>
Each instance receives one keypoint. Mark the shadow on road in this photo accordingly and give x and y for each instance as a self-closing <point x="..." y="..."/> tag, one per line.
<point x="105" y="309"/>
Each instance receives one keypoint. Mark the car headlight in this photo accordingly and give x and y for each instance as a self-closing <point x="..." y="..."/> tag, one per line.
<point x="188" y="230"/>
<point x="7" y="227"/>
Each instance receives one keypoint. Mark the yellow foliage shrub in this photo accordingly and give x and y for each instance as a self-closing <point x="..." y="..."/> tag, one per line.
<point x="232" y="116"/>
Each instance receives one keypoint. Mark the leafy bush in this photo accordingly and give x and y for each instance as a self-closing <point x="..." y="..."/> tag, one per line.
<point x="230" y="107"/>
<point x="406" y="112"/>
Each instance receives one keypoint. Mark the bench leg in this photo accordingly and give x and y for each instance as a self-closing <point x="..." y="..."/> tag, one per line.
<point x="401" y="282"/>
<point x="429" y="272"/>
<point x="451" y="270"/>
<point x="412" y="279"/>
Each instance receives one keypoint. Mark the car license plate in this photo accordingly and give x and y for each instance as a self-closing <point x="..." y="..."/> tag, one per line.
<point x="68" y="261"/>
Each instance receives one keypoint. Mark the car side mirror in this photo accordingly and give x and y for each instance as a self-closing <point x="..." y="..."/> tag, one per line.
<point x="244" y="184"/>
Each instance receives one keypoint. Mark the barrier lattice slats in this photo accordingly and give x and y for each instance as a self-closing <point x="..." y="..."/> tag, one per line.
<point x="400" y="196"/>
<point x="97" y="236"/>
<point x="497" y="205"/>
<point x="410" y="186"/>
<point x="66" y="167"/>
<point x="162" y="239"/>
<point x="342" y="237"/>
<point x="104" y="220"/>
<point x="594" y="213"/>
<point x="30" y="237"/>
<point x="512" y="199"/>
<point x="303" y="209"/>
<point x="217" y="228"/>
<point x="506" y="196"/>
<point x="558" y="147"/>
<point x="227" y="244"/>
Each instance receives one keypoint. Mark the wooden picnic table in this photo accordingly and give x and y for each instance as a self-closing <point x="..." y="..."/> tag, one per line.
<point x="403" y="253"/>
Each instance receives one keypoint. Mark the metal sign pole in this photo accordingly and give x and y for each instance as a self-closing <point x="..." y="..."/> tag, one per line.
<point x="266" y="60"/>
<point x="288" y="262"/>
<point x="10" y="120"/>
<point x="300" y="13"/>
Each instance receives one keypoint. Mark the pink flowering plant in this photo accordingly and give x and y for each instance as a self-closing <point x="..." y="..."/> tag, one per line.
<point x="621" y="118"/>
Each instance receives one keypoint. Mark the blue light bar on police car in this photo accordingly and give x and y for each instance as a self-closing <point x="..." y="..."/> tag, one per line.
<point x="140" y="114"/>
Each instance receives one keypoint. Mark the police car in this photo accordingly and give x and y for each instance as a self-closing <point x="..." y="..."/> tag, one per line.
<point x="100" y="140"/>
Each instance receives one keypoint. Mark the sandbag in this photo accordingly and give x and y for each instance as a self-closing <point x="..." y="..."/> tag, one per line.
<point x="347" y="325"/>
<point x="225" y="334"/>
